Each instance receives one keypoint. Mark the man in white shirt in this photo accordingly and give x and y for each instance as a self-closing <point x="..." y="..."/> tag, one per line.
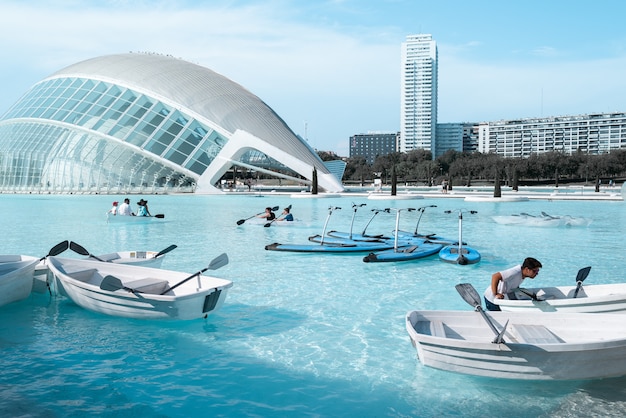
<point x="124" y="209"/>
<point x="508" y="280"/>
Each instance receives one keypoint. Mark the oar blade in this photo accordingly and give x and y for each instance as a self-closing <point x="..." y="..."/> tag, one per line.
<point x="159" y="215"/>
<point x="111" y="284"/>
<point x="79" y="249"/>
<point x="582" y="274"/>
<point x="58" y="249"/>
<point x="240" y="221"/>
<point x="219" y="261"/>
<point x="166" y="250"/>
<point x="469" y="294"/>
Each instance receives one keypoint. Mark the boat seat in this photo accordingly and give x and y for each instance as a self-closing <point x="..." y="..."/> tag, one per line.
<point x="535" y="334"/>
<point x="434" y="328"/>
<point x="148" y="285"/>
<point x="82" y="275"/>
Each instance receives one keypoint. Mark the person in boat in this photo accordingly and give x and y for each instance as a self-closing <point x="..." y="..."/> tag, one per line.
<point x="286" y="215"/>
<point x="113" y="210"/>
<point x="506" y="281"/>
<point x="269" y="215"/>
<point x="143" y="208"/>
<point x="124" y="208"/>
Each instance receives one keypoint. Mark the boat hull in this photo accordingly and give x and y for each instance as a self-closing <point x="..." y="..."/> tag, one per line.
<point x="41" y="278"/>
<point x="16" y="277"/>
<point x="81" y="279"/>
<point x="537" y="346"/>
<point x="408" y="253"/>
<point x="604" y="298"/>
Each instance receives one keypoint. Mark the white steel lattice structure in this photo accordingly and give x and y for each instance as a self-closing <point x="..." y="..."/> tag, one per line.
<point x="145" y="122"/>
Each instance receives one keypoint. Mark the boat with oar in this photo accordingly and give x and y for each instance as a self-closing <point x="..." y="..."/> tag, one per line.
<point x="460" y="253"/>
<point x="519" y="345"/>
<point x="41" y="279"/>
<point x="16" y="277"/>
<point x="434" y="238"/>
<point x="331" y="245"/>
<point x="607" y="298"/>
<point x="402" y="251"/>
<point x="140" y="292"/>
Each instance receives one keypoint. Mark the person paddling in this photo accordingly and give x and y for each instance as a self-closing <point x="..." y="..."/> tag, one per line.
<point x="269" y="214"/>
<point x="286" y="215"/>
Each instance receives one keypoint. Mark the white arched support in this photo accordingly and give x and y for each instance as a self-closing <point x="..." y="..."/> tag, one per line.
<point x="239" y="143"/>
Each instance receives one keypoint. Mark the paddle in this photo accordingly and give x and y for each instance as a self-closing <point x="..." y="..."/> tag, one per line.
<point x="165" y="251"/>
<point x="219" y="261"/>
<point x="533" y="296"/>
<point x="82" y="251"/>
<point x="57" y="249"/>
<point x="241" y="221"/>
<point x="469" y="295"/>
<point x="112" y="283"/>
<point x="580" y="277"/>
<point x="159" y="215"/>
<point x="275" y="219"/>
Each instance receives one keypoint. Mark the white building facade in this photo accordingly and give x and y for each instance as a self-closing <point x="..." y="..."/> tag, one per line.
<point x="590" y="134"/>
<point x="146" y="123"/>
<point x="418" y="103"/>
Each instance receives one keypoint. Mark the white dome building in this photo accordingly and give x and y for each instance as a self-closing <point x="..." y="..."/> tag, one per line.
<point x="145" y="123"/>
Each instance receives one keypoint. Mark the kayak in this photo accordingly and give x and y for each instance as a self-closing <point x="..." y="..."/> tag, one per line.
<point x="407" y="253"/>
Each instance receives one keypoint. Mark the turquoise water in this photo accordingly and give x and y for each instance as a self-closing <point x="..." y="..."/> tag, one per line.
<point x="299" y="334"/>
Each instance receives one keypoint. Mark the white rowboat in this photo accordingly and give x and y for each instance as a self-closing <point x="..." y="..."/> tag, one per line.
<point x="536" y="346"/>
<point x="590" y="299"/>
<point x="140" y="292"/>
<point x="16" y="277"/>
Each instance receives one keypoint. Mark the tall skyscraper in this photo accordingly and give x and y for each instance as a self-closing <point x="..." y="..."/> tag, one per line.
<point x="419" y="94"/>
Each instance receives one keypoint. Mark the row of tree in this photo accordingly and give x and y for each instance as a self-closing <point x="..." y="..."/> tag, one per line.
<point x="461" y="168"/>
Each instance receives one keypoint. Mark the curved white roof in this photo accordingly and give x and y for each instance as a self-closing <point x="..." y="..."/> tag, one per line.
<point x="205" y="92"/>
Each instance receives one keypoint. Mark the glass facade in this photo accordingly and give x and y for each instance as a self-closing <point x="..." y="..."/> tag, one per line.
<point x="145" y="123"/>
<point x="77" y="134"/>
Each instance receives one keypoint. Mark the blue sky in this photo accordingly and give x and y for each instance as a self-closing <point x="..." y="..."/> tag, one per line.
<point x="331" y="69"/>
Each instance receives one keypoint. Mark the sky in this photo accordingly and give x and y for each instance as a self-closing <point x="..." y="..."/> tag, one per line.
<point x="331" y="68"/>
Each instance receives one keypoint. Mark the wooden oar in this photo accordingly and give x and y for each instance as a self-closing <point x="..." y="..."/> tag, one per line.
<point x="165" y="251"/>
<point x="469" y="295"/>
<point x="219" y="261"/>
<point x="580" y="278"/>
<point x="82" y="251"/>
<point x="241" y="221"/>
<point x="57" y="249"/>
<point x="275" y="219"/>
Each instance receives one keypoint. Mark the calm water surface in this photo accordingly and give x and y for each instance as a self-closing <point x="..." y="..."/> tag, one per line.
<point x="299" y="334"/>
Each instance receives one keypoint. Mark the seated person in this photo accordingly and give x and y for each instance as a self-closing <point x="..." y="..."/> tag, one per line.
<point x="286" y="215"/>
<point x="269" y="215"/>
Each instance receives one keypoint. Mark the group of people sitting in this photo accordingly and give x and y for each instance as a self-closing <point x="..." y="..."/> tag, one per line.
<point x="125" y="210"/>
<point x="270" y="215"/>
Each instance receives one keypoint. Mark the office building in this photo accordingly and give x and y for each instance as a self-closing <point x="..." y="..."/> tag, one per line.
<point x="418" y="97"/>
<point x="372" y="145"/>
